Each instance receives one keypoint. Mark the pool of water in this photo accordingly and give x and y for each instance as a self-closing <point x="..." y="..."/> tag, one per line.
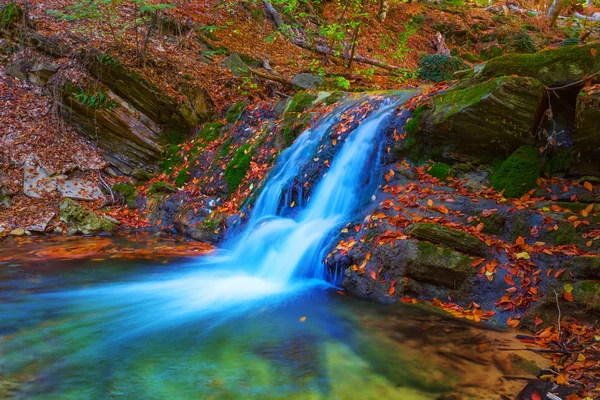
<point x="120" y="328"/>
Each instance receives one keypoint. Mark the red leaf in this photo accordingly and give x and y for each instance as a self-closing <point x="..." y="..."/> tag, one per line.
<point x="535" y="396"/>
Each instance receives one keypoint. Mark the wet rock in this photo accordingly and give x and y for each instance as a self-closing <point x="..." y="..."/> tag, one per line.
<point x="41" y="224"/>
<point x="80" y="189"/>
<point x="308" y="81"/>
<point x="583" y="267"/>
<point x="479" y="123"/>
<point x="237" y="66"/>
<point x="586" y="139"/>
<point x="449" y="237"/>
<point x="439" y="266"/>
<point x="80" y="220"/>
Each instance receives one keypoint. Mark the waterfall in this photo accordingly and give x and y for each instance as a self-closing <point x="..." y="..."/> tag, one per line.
<point x="276" y="254"/>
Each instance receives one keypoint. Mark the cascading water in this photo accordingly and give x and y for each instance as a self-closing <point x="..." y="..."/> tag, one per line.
<point x="272" y="250"/>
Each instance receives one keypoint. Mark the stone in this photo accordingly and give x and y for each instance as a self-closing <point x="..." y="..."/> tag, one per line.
<point x="80" y="189"/>
<point x="17" y="232"/>
<point x="80" y="220"/>
<point x="308" y="81"/>
<point x="41" y="72"/>
<point x="41" y="225"/>
<point x="449" y="237"/>
<point x="37" y="182"/>
<point x="478" y="123"/>
<point x="237" y="66"/>
<point x="439" y="266"/>
<point x="586" y="137"/>
<point x="551" y="67"/>
<point x="583" y="267"/>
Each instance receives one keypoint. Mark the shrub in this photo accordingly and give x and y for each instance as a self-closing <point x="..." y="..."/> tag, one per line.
<point x="440" y="67"/>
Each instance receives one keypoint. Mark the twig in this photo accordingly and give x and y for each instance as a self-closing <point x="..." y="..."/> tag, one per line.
<point x="108" y="187"/>
<point x="559" y="314"/>
<point x="574" y="83"/>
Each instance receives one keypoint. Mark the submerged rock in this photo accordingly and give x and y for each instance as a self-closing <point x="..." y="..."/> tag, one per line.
<point x="478" y="123"/>
<point x="80" y="220"/>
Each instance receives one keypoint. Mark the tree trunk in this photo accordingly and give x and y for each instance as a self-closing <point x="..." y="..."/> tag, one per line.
<point x="555" y="9"/>
<point x="384" y="6"/>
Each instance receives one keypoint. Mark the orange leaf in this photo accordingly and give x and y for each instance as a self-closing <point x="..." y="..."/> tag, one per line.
<point x="373" y="275"/>
<point x="538" y="321"/>
<point x="593" y="51"/>
<point x="588" y="186"/>
<point x="559" y="273"/>
<point x="568" y="296"/>
<point x="392" y="290"/>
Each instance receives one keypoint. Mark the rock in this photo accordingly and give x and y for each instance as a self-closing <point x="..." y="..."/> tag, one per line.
<point x="127" y="142"/>
<point x="41" y="72"/>
<point x="586" y="138"/>
<point x="439" y="266"/>
<point x="17" y="232"/>
<point x="80" y="189"/>
<point x="37" y="181"/>
<point x="237" y="66"/>
<point x="58" y="229"/>
<point x="583" y="267"/>
<point x="308" y="81"/>
<point x="479" y="123"/>
<point x="551" y="67"/>
<point x="452" y="238"/>
<point x="587" y="293"/>
<point x="2" y="231"/>
<point x="41" y="225"/>
<point x="518" y="174"/>
<point x="80" y="220"/>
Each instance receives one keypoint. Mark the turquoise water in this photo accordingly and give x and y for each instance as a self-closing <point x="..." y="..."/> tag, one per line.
<point x="311" y="343"/>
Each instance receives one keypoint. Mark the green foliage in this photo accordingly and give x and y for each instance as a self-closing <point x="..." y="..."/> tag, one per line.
<point x="572" y="41"/>
<point x="128" y="191"/>
<point x="523" y="43"/>
<point x="492" y="51"/>
<point x="440" y="67"/>
<point x="171" y="158"/>
<point x="300" y="102"/>
<point x="182" y="177"/>
<point x="519" y="173"/>
<point x="11" y="14"/>
<point x="238" y="166"/>
<point x="107" y="59"/>
<point x="342" y="82"/>
<point x="95" y="100"/>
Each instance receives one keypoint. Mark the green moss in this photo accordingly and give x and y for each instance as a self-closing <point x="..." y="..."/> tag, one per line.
<point x="182" y="177"/>
<point x="492" y="51"/>
<point x="334" y="97"/>
<point x="235" y="111"/>
<point x="128" y="191"/>
<point x="238" y="166"/>
<point x="588" y="293"/>
<point x="11" y="14"/>
<point x="493" y="224"/>
<point x="80" y="220"/>
<point x="439" y="170"/>
<point x="520" y="225"/>
<point x="161" y="187"/>
<point x="300" y="102"/>
<point x="454" y="101"/>
<point x="225" y="147"/>
<point x="452" y="238"/>
<point x="561" y="161"/>
<point x="410" y="148"/>
<point x="172" y="158"/>
<point x="211" y="131"/>
<point x="108" y="60"/>
<point x="439" y="67"/>
<point x="519" y="173"/>
<point x="439" y="265"/>
<point x="292" y="125"/>
<point x="565" y="234"/>
<point x="572" y="41"/>
<point x="174" y="136"/>
<point x="551" y="67"/>
<point x="523" y="43"/>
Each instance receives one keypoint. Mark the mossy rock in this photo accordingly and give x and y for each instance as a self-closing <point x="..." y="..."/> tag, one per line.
<point x="588" y="294"/>
<point x="439" y="67"/>
<point x="449" y="237"/>
<point x="586" y="138"/>
<point x="565" y="234"/>
<point x="80" y="220"/>
<point x="571" y="41"/>
<point x="493" y="224"/>
<point x="161" y="187"/>
<point x="128" y="191"/>
<point x="439" y="266"/>
<point x="522" y="42"/>
<point x="211" y="131"/>
<point x="11" y="15"/>
<point x="238" y="166"/>
<point x="235" y="111"/>
<point x="334" y="97"/>
<point x="551" y="67"/>
<point x="478" y="123"/>
<point x="292" y="125"/>
<point x="583" y="267"/>
<point x="490" y="52"/>
<point x="441" y="171"/>
<point x="519" y="173"/>
<point x="300" y="102"/>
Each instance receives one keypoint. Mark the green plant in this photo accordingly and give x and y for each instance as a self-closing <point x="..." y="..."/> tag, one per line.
<point x="440" y="67"/>
<point x="95" y="100"/>
<point x="342" y="82"/>
<point x="10" y="14"/>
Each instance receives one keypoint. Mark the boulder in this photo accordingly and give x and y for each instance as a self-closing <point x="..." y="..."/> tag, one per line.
<point x="80" y="220"/>
<point x="237" y="66"/>
<point x="308" y="81"/>
<point x="586" y="138"/>
<point x="551" y="67"/>
<point x="479" y="123"/>
<point x="37" y="182"/>
<point x="449" y="237"/>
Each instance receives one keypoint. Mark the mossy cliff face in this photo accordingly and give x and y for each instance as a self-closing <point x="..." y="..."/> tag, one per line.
<point x="478" y="123"/>
<point x="587" y="132"/>
<point x="551" y="67"/>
